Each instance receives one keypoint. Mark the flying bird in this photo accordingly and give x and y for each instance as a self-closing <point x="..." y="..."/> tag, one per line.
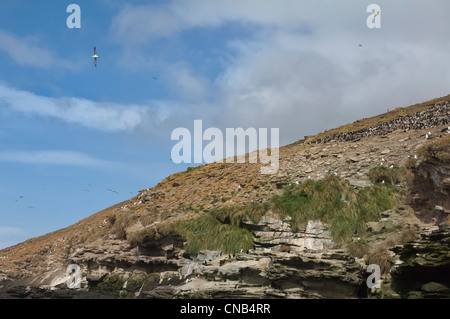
<point x="111" y="190"/>
<point x="360" y="45"/>
<point x="95" y="56"/>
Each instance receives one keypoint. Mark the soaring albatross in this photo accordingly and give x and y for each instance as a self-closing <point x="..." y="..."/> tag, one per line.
<point x="95" y="56"/>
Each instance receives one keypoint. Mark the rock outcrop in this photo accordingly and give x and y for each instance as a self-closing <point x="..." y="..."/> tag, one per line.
<point x="421" y="268"/>
<point x="284" y="264"/>
<point x="430" y="193"/>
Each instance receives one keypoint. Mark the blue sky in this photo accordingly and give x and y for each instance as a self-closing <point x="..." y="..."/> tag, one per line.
<point x="69" y="131"/>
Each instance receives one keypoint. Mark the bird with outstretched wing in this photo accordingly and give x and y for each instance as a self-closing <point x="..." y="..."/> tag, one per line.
<point x="95" y="56"/>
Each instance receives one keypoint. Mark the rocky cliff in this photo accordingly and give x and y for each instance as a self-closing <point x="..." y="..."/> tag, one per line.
<point x="224" y="230"/>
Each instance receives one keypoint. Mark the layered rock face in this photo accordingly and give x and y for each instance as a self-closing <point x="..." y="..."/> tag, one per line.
<point x="430" y="194"/>
<point x="421" y="268"/>
<point x="284" y="264"/>
<point x="275" y="234"/>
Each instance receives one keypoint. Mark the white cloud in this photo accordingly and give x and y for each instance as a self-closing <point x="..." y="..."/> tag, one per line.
<point x="29" y="51"/>
<point x="187" y="84"/>
<point x="138" y="24"/>
<point x="66" y="158"/>
<point x="306" y="90"/>
<point x="110" y="117"/>
<point x="142" y="23"/>
<point x="300" y="67"/>
<point x="152" y="119"/>
<point x="10" y="231"/>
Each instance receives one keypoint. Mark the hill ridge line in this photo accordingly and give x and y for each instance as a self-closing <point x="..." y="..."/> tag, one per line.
<point x="436" y="115"/>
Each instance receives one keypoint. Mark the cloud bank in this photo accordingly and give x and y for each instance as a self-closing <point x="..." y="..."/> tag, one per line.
<point x="29" y="51"/>
<point x="298" y="65"/>
<point x="66" y="158"/>
<point x="109" y="117"/>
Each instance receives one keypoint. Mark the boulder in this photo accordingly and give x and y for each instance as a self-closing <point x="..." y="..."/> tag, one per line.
<point x="433" y="287"/>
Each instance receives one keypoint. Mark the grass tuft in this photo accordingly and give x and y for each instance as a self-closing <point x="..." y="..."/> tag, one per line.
<point x="380" y="256"/>
<point x="332" y="201"/>
<point x="206" y="232"/>
<point x="120" y="221"/>
<point x="151" y="233"/>
<point x="407" y="235"/>
<point x="438" y="150"/>
<point x="358" y="248"/>
<point x="392" y="176"/>
<point x="236" y="214"/>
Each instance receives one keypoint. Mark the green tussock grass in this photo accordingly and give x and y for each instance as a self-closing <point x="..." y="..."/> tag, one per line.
<point x="206" y="232"/>
<point x="371" y="201"/>
<point x="393" y="176"/>
<point x="236" y="214"/>
<point x="333" y="201"/>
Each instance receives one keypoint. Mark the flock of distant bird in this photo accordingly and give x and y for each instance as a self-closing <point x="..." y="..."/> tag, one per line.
<point x="21" y="197"/>
<point x="96" y="57"/>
